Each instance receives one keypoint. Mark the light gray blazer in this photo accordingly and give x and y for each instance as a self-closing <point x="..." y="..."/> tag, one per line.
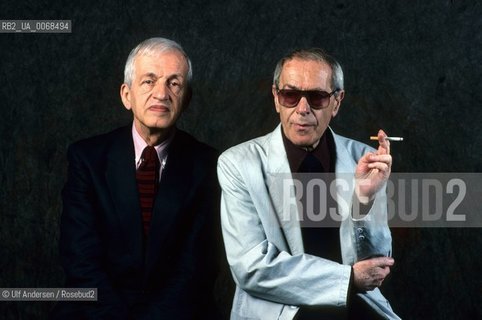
<point x="263" y="237"/>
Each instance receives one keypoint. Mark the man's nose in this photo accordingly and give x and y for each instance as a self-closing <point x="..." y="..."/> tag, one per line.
<point x="160" y="91"/>
<point x="303" y="107"/>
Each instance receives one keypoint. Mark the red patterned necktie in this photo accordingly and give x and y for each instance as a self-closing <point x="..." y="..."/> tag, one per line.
<point x="147" y="177"/>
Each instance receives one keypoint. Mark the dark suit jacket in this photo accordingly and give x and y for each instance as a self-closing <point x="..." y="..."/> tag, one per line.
<point x="171" y="275"/>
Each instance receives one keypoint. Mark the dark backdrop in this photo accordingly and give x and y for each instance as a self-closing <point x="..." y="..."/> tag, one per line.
<point x="412" y="68"/>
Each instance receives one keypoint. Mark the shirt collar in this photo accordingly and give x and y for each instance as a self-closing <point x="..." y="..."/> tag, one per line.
<point x="140" y="144"/>
<point x="325" y="152"/>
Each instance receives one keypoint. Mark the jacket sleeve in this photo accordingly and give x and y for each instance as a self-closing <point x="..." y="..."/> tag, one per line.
<point x="364" y="233"/>
<point x="258" y="264"/>
<point x="81" y="249"/>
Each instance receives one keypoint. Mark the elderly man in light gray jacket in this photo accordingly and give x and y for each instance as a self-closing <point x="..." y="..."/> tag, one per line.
<point x="278" y="267"/>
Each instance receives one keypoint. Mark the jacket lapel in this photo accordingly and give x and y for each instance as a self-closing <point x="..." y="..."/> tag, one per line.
<point x="278" y="170"/>
<point x="345" y="166"/>
<point x="121" y="179"/>
<point x="278" y="181"/>
<point x="176" y="180"/>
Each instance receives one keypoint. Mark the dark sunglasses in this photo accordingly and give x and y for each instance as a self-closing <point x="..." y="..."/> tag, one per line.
<point x="317" y="99"/>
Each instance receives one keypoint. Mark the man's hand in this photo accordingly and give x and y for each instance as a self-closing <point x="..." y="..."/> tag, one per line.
<point x="373" y="170"/>
<point x="369" y="274"/>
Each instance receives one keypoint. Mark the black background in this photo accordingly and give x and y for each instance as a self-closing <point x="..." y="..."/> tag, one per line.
<point x="412" y="68"/>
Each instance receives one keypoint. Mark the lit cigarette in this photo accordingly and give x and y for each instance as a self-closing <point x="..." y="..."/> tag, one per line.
<point x="387" y="138"/>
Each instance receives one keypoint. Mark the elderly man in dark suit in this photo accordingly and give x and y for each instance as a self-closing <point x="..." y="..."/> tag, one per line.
<point x="141" y="202"/>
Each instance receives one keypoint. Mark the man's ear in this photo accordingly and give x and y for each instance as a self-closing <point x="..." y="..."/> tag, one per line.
<point x="125" y="93"/>
<point x="338" y="98"/>
<point x="274" y="91"/>
<point x="187" y="98"/>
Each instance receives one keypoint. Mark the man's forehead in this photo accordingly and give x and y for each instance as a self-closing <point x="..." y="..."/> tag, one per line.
<point x="306" y="71"/>
<point x="161" y="56"/>
<point x="169" y="61"/>
<point x="306" y="65"/>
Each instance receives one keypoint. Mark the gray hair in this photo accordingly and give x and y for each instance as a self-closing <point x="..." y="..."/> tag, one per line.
<point x="315" y="54"/>
<point x="151" y="46"/>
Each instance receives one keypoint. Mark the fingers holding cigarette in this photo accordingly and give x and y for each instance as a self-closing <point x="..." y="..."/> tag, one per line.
<point x="387" y="138"/>
<point x="383" y="141"/>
